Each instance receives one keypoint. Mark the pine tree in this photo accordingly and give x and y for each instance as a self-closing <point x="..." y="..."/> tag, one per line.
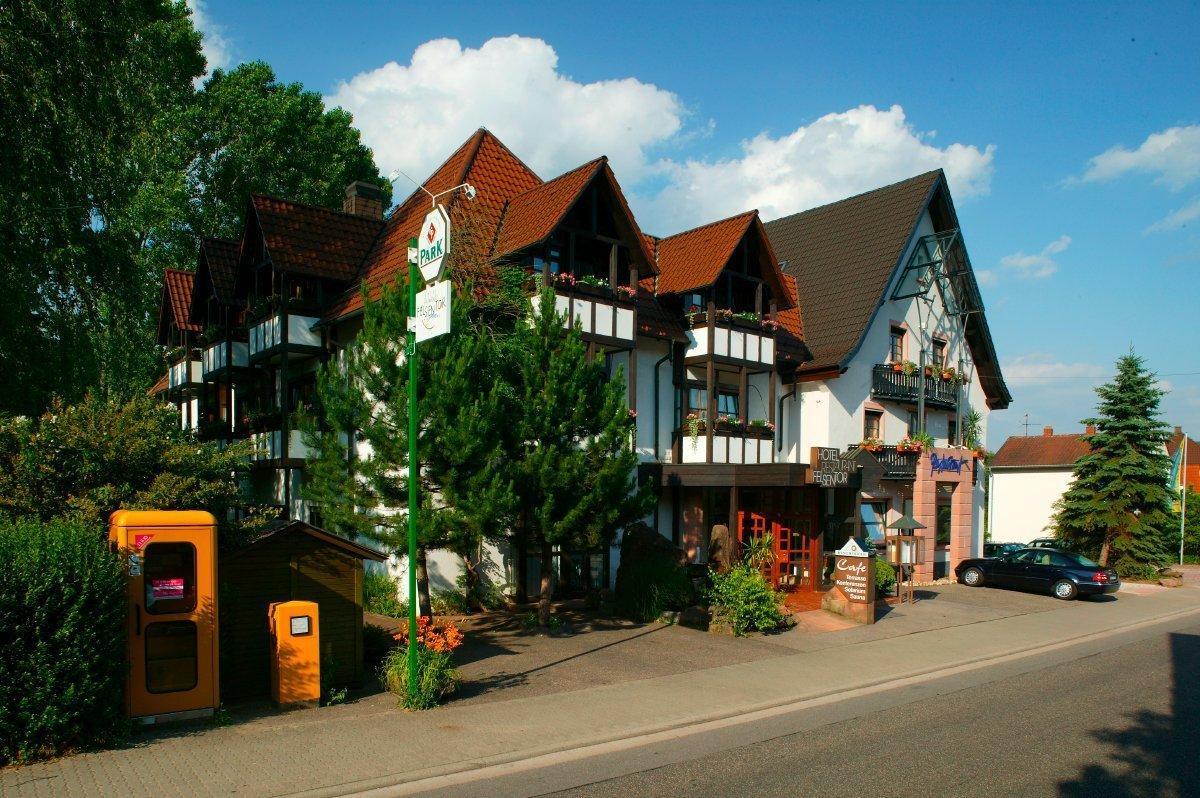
<point x="1118" y="508"/>
<point x="572" y="460"/>
<point x="363" y="489"/>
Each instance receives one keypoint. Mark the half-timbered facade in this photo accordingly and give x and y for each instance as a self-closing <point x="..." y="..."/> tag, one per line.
<point x="749" y="349"/>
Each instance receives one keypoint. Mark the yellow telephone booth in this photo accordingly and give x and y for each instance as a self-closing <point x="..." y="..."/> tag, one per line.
<point x="172" y="623"/>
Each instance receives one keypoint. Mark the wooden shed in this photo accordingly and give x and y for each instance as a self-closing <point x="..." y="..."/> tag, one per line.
<point x="289" y="562"/>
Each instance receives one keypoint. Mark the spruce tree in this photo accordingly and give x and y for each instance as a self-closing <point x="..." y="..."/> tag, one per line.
<point x="573" y="463"/>
<point x="363" y="488"/>
<point x="1118" y="508"/>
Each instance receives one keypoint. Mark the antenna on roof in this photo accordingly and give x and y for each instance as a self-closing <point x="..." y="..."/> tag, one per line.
<point x="467" y="188"/>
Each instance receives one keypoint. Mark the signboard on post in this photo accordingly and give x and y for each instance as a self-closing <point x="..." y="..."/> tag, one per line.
<point x="433" y="312"/>
<point x="433" y="244"/>
<point x="830" y="467"/>
<point x="853" y="593"/>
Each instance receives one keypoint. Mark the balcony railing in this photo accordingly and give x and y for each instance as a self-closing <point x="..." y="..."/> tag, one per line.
<point x="729" y="447"/>
<point x="734" y="341"/>
<point x="596" y="313"/>
<point x="268" y="446"/>
<point x="897" y="464"/>
<point x="280" y="329"/>
<point x="184" y="374"/>
<point x="896" y="386"/>
<point x="225" y="354"/>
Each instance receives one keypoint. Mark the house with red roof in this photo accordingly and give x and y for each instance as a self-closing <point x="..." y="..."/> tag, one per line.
<point x="766" y="361"/>
<point x="1028" y="475"/>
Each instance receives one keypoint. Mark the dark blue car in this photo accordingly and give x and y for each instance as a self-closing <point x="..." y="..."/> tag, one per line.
<point x="1061" y="574"/>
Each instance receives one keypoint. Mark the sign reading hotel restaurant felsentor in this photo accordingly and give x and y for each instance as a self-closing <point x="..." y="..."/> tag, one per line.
<point x="433" y="244"/>
<point x="830" y="467"/>
<point x="433" y="311"/>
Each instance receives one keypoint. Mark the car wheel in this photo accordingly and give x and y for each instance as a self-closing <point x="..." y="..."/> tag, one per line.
<point x="1065" y="589"/>
<point x="972" y="577"/>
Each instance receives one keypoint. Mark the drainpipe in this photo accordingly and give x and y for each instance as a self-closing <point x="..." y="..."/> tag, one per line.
<point x="779" y="415"/>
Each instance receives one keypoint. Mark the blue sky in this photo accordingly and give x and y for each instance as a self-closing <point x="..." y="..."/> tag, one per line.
<point x="1071" y="136"/>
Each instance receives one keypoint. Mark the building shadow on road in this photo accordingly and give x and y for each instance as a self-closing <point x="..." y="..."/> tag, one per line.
<point x="1153" y="754"/>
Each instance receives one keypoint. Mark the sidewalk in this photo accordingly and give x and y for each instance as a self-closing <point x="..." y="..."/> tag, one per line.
<point x="340" y="749"/>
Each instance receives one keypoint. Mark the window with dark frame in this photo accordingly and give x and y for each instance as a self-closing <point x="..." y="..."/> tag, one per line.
<point x="873" y="424"/>
<point x="896" y="345"/>
<point x="913" y="429"/>
<point x="727" y="403"/>
<point x="939" y="354"/>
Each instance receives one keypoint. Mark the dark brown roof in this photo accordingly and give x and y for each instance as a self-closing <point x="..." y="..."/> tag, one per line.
<point x="177" y="285"/>
<point x="497" y="175"/>
<point x="306" y="239"/>
<point x="1045" y="451"/>
<point x="288" y="528"/>
<point x="221" y="256"/>
<point x="842" y="256"/>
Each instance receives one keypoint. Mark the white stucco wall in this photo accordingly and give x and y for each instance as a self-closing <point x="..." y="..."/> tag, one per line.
<point x="1023" y="502"/>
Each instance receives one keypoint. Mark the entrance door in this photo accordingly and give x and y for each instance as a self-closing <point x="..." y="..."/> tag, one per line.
<point x="172" y="641"/>
<point x="798" y="553"/>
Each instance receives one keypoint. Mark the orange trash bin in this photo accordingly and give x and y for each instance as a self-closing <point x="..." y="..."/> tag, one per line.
<point x="295" y="653"/>
<point x="172" y="621"/>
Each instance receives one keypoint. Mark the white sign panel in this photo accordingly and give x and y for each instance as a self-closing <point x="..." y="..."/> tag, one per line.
<point x="851" y="549"/>
<point x="433" y="243"/>
<point x="433" y="311"/>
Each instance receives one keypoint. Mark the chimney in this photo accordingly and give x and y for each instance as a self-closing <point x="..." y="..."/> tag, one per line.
<point x="1178" y="430"/>
<point x="1047" y="431"/>
<point x="363" y="199"/>
<point x="1090" y="429"/>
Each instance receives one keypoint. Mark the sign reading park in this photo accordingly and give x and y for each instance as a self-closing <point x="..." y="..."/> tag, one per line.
<point x="433" y="244"/>
<point x="830" y="467"/>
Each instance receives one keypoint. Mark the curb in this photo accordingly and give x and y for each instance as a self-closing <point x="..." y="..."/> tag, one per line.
<point x="444" y="776"/>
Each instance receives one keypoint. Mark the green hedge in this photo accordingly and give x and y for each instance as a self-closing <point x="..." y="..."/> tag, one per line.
<point x="62" y="639"/>
<point x="745" y="599"/>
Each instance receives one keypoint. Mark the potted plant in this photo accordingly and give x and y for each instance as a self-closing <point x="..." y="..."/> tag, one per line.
<point x="762" y="426"/>
<point x="909" y="368"/>
<point x="770" y="325"/>
<point x="907" y="444"/>
<point x="593" y="281"/>
<point x="626" y="291"/>
<point x="922" y="440"/>
<point x="871" y="444"/>
<point x="949" y="374"/>
<point x="729" y="422"/>
<point x="898" y="366"/>
<point x="929" y="371"/>
<point x="566" y="279"/>
<point x="747" y="316"/>
<point x="694" y="423"/>
<point x="724" y="314"/>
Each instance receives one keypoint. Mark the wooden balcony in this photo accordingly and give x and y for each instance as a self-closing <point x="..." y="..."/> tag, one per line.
<point x="897" y="464"/>
<point x="222" y="357"/>
<point x="269" y="447"/>
<point x="732" y="341"/>
<point x="601" y="316"/>
<point x="284" y="335"/>
<point x="729" y="447"/>
<point x="184" y="376"/>
<point x="896" y="386"/>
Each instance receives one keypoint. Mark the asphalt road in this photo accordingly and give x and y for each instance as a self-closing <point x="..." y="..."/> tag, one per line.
<point x="1119" y="717"/>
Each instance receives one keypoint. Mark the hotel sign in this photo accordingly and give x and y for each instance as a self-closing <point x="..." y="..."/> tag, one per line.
<point x="831" y="468"/>
<point x="433" y="244"/>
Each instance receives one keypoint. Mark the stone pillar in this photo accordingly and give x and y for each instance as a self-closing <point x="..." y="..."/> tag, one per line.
<point x="925" y="512"/>
<point x="962" y="521"/>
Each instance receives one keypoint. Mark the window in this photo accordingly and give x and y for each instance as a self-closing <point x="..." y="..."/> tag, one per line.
<point x="873" y="515"/>
<point x="939" y="354"/>
<point x="913" y="428"/>
<point x="872" y="424"/>
<point x="170" y="656"/>
<point x="170" y="578"/>
<point x="951" y="428"/>
<point x="694" y="300"/>
<point x="727" y="404"/>
<point x="896" y="345"/>
<point x="697" y="401"/>
<point x="944" y="496"/>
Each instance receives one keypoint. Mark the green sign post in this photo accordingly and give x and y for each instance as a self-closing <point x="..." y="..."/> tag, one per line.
<point x="414" y="470"/>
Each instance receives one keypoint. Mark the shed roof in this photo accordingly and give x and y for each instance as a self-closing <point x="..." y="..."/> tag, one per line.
<point x="291" y="528"/>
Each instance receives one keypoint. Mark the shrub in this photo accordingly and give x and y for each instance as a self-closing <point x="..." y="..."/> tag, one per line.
<point x="377" y="642"/>
<point x="436" y="675"/>
<point x="743" y="596"/>
<point x="885" y="577"/>
<point x="62" y="639"/>
<point x="381" y="595"/>
<point x="650" y="587"/>
<point x="449" y="602"/>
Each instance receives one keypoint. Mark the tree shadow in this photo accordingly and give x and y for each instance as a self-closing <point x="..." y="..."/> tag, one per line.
<point x="1154" y="753"/>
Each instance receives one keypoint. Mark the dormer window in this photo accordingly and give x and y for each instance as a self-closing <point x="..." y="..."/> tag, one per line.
<point x="896" y="345"/>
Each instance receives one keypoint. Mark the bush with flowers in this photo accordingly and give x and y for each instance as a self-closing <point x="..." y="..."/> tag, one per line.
<point x="436" y="674"/>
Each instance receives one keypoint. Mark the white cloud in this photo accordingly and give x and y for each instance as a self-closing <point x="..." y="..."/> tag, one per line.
<point x="986" y="276"/>
<point x="411" y="115"/>
<point x="218" y="50"/>
<point x="1039" y="265"/>
<point x="1172" y="156"/>
<point x="838" y="155"/>
<point x="1176" y="219"/>
<point x="1042" y="368"/>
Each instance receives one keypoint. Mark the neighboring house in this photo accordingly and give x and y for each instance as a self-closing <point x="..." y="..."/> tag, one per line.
<point x="1029" y="474"/>
<point x="777" y="339"/>
<point x="1189" y="471"/>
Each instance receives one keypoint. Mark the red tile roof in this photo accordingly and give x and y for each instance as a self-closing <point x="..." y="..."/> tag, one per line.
<point x="532" y="216"/>
<point x="306" y="239"/>
<point x="497" y="175"/>
<point x="177" y="285"/>
<point x="694" y="258"/>
<point x="1047" y="451"/>
<point x="1193" y="448"/>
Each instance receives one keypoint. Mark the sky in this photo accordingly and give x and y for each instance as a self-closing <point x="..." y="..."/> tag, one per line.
<point x="1070" y="135"/>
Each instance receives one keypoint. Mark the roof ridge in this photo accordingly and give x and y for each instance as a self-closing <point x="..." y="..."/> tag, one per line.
<point x="592" y="163"/>
<point x="859" y="195"/>
<point x="710" y="224"/>
<point x="312" y="206"/>
<point x="507" y="149"/>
